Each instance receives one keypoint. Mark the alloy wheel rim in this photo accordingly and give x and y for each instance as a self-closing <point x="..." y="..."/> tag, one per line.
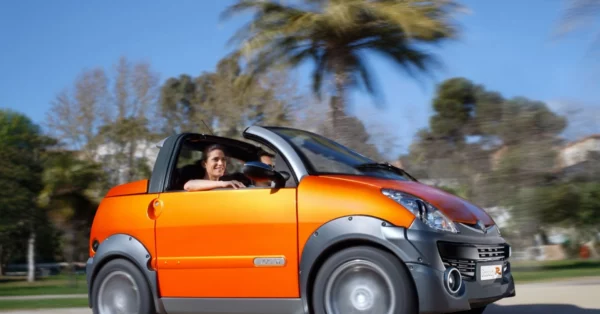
<point x="359" y="286"/>
<point x="118" y="294"/>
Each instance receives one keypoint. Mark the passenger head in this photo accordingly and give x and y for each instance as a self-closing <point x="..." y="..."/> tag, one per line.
<point x="266" y="158"/>
<point x="214" y="161"/>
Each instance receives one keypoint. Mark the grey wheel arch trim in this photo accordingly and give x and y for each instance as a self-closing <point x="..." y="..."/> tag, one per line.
<point x="128" y="247"/>
<point x="338" y="233"/>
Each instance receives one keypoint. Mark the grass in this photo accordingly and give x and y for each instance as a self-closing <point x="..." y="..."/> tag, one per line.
<point x="6" y="305"/>
<point x="18" y="286"/>
<point x="552" y="270"/>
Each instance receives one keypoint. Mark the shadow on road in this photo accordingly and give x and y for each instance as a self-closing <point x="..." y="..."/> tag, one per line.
<point x="539" y="309"/>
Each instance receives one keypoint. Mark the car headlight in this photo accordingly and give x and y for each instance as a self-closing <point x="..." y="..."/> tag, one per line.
<point x="430" y="215"/>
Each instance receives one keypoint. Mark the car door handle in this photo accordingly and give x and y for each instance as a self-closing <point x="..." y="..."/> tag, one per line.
<point x="155" y="208"/>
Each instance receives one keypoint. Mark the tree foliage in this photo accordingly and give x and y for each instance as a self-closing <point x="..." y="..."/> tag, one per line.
<point x="23" y="146"/>
<point x="68" y="197"/>
<point x="20" y="180"/>
<point x="112" y="124"/>
<point x="495" y="150"/>
<point x="218" y="100"/>
<point x="335" y="35"/>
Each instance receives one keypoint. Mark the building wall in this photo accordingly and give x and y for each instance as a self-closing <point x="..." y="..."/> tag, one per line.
<point x="577" y="152"/>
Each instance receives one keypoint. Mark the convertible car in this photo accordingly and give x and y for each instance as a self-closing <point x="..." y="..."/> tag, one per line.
<point x="333" y="232"/>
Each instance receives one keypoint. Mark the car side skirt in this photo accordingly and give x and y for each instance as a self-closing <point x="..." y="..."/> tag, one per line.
<point x="232" y="305"/>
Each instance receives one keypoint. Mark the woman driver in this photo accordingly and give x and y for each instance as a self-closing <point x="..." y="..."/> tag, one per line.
<point x="214" y="162"/>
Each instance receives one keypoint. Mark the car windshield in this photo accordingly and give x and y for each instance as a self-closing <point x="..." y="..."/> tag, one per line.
<point x="324" y="156"/>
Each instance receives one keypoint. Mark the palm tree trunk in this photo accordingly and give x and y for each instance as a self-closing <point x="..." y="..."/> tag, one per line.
<point x="339" y="129"/>
<point x="31" y="257"/>
<point x="70" y="254"/>
<point x="131" y="161"/>
<point x="1" y="260"/>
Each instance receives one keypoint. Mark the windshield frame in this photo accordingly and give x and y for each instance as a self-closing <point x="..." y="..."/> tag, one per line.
<point x="342" y="155"/>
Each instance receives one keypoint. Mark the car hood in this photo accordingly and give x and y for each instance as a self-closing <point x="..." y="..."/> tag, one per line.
<point x="454" y="207"/>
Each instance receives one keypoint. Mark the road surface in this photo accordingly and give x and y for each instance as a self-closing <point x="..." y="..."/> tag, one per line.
<point x="581" y="296"/>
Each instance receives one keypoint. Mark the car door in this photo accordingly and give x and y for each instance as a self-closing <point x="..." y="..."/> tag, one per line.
<point x="228" y="243"/>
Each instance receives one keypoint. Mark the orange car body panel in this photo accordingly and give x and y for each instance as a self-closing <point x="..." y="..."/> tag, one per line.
<point x="456" y="208"/>
<point x="128" y="215"/>
<point x="324" y="198"/>
<point x="131" y="188"/>
<point x="207" y="242"/>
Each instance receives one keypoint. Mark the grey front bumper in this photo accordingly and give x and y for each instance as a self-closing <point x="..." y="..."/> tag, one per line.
<point x="467" y="251"/>
<point x="89" y="268"/>
<point x="434" y="298"/>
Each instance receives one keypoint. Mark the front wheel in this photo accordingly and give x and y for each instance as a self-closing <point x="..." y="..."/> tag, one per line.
<point x="120" y="287"/>
<point x="363" y="280"/>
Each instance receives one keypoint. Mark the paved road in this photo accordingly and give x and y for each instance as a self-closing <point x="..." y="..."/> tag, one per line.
<point x="580" y="296"/>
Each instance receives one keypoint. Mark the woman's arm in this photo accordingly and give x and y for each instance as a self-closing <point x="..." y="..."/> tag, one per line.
<point x="203" y="185"/>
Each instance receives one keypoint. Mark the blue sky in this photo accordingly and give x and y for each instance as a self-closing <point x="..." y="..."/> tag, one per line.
<point x="505" y="45"/>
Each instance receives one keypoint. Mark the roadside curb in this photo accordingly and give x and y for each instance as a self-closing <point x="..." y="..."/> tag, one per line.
<point x="43" y="297"/>
<point x="583" y="280"/>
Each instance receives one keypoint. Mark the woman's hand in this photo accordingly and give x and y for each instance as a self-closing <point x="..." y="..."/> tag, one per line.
<point x="233" y="183"/>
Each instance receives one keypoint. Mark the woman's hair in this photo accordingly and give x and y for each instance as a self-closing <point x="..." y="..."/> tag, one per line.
<point x="210" y="148"/>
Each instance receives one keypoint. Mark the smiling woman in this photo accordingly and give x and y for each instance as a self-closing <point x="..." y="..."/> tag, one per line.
<point x="214" y="162"/>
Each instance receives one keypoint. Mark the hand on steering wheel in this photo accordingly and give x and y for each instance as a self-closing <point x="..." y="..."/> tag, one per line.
<point x="233" y="183"/>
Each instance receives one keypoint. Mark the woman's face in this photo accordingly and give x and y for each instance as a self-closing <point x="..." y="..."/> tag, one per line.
<point x="215" y="164"/>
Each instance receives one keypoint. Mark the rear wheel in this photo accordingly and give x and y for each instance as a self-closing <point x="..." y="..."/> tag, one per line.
<point x="120" y="287"/>
<point x="363" y="280"/>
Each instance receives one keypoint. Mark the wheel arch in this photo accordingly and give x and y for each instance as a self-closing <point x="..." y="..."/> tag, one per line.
<point x="350" y="231"/>
<point x="123" y="246"/>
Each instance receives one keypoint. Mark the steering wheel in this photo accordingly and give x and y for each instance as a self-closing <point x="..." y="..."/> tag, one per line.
<point x="237" y="176"/>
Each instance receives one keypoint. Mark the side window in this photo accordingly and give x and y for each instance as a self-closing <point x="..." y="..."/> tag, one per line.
<point x="234" y="165"/>
<point x="188" y="156"/>
<point x="281" y="165"/>
<point x="187" y="167"/>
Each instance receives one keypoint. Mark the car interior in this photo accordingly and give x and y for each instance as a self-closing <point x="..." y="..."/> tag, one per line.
<point x="189" y="159"/>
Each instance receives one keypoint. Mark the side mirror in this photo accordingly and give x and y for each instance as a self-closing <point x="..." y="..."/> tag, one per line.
<point x="261" y="172"/>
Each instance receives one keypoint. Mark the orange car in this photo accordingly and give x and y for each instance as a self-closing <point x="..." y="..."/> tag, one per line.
<point x="332" y="232"/>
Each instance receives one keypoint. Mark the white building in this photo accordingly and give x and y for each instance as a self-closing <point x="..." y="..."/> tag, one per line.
<point x="145" y="150"/>
<point x="578" y="151"/>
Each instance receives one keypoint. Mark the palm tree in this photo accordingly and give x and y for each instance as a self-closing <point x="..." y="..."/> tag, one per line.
<point x="22" y="145"/>
<point x="578" y="13"/>
<point x="582" y="15"/>
<point x="335" y="34"/>
<point x="68" y="194"/>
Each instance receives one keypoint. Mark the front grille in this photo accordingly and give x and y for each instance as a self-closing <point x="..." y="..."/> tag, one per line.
<point x="493" y="253"/>
<point x="465" y="257"/>
<point x="465" y="267"/>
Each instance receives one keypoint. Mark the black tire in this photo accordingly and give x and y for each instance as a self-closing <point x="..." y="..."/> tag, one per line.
<point x="125" y="273"/>
<point x="478" y="310"/>
<point x="374" y="262"/>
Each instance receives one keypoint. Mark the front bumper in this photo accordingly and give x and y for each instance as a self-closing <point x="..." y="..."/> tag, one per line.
<point x="89" y="269"/>
<point x="467" y="252"/>
<point x="434" y="298"/>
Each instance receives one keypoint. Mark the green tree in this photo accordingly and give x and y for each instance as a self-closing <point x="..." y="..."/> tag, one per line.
<point x="112" y="124"/>
<point x="20" y="180"/>
<point x="219" y="100"/>
<point x="496" y="151"/>
<point x="335" y="35"/>
<point x="68" y="198"/>
<point x="443" y="151"/>
<point x="571" y="204"/>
